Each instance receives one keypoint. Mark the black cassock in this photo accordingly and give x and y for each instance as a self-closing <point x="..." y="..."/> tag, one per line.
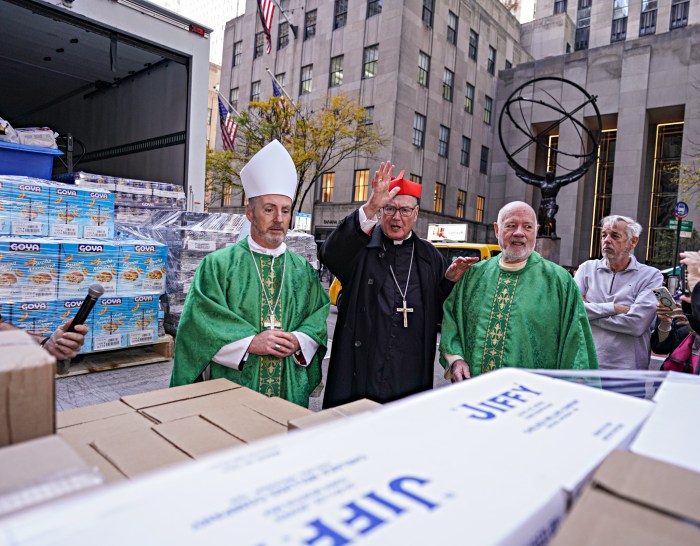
<point x="373" y="355"/>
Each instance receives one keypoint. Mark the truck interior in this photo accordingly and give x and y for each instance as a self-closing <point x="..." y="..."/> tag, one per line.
<point x="122" y="99"/>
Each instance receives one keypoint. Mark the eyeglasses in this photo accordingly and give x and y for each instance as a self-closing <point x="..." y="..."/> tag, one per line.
<point x="403" y="211"/>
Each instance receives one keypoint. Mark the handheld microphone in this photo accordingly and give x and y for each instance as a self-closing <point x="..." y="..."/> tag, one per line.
<point x="95" y="290"/>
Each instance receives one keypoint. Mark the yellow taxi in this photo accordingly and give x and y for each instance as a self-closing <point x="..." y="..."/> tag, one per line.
<point x="450" y="251"/>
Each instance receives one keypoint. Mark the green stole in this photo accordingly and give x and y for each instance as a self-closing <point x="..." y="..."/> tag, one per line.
<point x="270" y="367"/>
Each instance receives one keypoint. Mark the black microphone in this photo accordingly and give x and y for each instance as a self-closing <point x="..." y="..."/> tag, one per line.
<point x="95" y="290"/>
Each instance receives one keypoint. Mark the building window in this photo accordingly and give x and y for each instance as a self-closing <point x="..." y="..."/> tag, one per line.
<point x="368" y="116"/>
<point x="259" y="45"/>
<point x="336" y="77"/>
<point x="488" y="110"/>
<point x="508" y="65"/>
<point x="306" y="79"/>
<point x="602" y="193"/>
<point x="466" y="150"/>
<point x="647" y="21"/>
<point x="281" y="78"/>
<point x="233" y="98"/>
<point x="423" y="69"/>
<point x="428" y="6"/>
<point x="559" y="6"/>
<point x="327" y="184"/>
<point x="664" y="193"/>
<point x="255" y="91"/>
<point x="418" y="130"/>
<point x="484" y="163"/>
<point x="237" y="53"/>
<point x="452" y="28"/>
<point x="583" y="24"/>
<point x="480" y="202"/>
<point x="226" y="195"/>
<point x="310" y="24"/>
<point x="360" y="187"/>
<point x="439" y="198"/>
<point x="679" y="13"/>
<point x="444" y="141"/>
<point x="469" y="98"/>
<point x="374" y="7"/>
<point x="491" y="61"/>
<point x="448" y="79"/>
<point x="370" y="61"/>
<point x="473" y="45"/>
<point x="618" y="31"/>
<point x="461" y="204"/>
<point x="340" y="14"/>
<point x="282" y="35"/>
<point x="418" y="179"/>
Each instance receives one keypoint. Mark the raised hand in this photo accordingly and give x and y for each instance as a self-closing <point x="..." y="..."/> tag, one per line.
<point x="381" y="195"/>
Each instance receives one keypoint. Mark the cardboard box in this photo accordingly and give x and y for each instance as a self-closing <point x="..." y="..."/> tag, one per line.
<point x="65" y="213"/>
<point x="244" y="423"/>
<point x="28" y="269"/>
<point x="88" y="414"/>
<point x="27" y="390"/>
<point x="84" y="262"/>
<point x="671" y="433"/>
<point x="98" y="213"/>
<point x="635" y="500"/>
<point x="40" y="471"/>
<point x="110" y="323"/>
<point x="332" y="414"/>
<point x="494" y="459"/>
<point x="176" y="394"/>
<point x="196" y="436"/>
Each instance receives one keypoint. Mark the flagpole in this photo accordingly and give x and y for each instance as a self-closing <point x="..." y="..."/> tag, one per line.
<point x="280" y="86"/>
<point x="291" y="26"/>
<point x="230" y="106"/>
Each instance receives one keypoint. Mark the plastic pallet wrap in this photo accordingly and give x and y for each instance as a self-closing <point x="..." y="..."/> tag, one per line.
<point x="190" y="237"/>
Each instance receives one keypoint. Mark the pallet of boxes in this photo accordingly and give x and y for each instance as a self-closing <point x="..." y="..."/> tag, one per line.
<point x="59" y="239"/>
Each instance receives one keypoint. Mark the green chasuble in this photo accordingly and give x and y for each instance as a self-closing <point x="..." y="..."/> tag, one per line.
<point x="532" y="318"/>
<point x="225" y="303"/>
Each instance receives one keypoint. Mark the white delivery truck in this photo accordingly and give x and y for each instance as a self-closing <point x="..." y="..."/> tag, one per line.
<point x="126" y="78"/>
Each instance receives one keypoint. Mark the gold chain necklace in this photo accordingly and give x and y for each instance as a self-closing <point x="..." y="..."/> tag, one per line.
<point x="272" y="323"/>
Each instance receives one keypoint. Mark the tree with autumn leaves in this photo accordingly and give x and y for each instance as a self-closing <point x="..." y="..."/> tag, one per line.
<point x="317" y="139"/>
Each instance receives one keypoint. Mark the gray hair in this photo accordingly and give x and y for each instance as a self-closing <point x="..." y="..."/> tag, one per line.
<point x="632" y="228"/>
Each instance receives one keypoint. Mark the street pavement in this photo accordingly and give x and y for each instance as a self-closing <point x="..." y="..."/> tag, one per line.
<point x="95" y="388"/>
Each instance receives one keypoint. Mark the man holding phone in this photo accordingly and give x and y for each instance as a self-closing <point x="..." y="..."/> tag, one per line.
<point x="619" y="299"/>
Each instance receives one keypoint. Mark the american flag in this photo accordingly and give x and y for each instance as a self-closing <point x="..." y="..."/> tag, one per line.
<point x="266" y="9"/>
<point x="281" y="105"/>
<point x="228" y="126"/>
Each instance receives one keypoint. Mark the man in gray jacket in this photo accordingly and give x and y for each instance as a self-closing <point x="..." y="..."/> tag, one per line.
<point x="617" y="293"/>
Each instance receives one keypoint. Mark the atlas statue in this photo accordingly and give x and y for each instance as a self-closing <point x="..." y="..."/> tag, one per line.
<point x="524" y="100"/>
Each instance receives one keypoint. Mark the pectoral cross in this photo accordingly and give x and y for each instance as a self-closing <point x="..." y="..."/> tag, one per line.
<point x="405" y="310"/>
<point x="272" y="323"/>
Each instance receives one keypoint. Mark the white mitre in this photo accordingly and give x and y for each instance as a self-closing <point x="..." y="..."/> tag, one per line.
<point x="270" y="171"/>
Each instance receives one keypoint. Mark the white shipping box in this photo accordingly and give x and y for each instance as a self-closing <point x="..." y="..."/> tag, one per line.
<point x="489" y="461"/>
<point x="671" y="433"/>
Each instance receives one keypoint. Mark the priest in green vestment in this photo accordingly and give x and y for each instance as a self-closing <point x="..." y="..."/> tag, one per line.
<point x="516" y="309"/>
<point x="256" y="311"/>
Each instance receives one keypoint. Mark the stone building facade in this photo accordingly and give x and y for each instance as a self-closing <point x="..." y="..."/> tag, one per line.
<point x="426" y="71"/>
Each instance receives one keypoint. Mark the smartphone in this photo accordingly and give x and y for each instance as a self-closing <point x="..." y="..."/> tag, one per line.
<point x="664" y="297"/>
<point x="684" y="289"/>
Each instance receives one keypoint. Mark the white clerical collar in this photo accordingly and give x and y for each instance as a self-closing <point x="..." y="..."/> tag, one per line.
<point x="255" y="247"/>
<point x="402" y="240"/>
<point x="507" y="266"/>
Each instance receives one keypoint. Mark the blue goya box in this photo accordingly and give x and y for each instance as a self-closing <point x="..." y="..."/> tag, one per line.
<point x="110" y="322"/>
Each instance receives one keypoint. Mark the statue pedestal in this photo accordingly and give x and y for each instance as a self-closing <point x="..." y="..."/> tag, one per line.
<point x="549" y="248"/>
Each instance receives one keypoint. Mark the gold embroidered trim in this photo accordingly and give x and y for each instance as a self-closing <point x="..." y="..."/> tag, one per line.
<point x="497" y="327"/>
<point x="270" y="367"/>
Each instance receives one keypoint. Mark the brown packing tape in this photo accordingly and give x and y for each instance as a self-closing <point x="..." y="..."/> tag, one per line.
<point x="196" y="436"/>
<point x="138" y="451"/>
<point x="244" y="423"/>
<point x="176" y="394"/>
<point x="88" y="414"/>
